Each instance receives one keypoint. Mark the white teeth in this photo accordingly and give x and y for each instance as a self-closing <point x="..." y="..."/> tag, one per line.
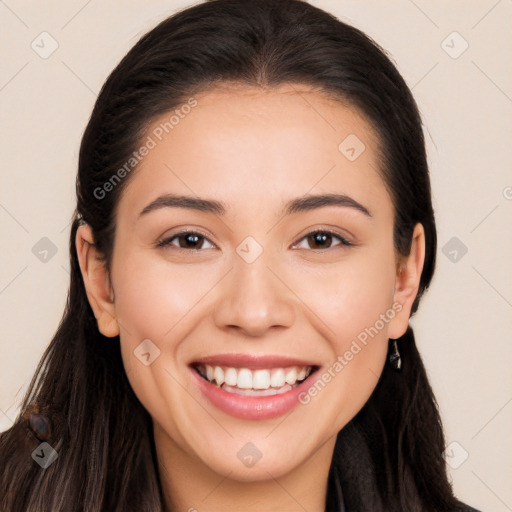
<point x="218" y="375"/>
<point x="261" y="379"/>
<point x="291" y="376"/>
<point x="277" y="379"/>
<point x="244" y="379"/>
<point x="230" y="377"/>
<point x="254" y="392"/>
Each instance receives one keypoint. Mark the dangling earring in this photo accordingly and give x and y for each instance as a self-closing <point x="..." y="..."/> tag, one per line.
<point x="395" y="361"/>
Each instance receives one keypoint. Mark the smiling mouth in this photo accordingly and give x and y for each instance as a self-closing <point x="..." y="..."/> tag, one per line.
<point x="254" y="382"/>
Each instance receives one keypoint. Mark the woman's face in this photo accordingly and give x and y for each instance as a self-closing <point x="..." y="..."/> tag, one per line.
<point x="253" y="289"/>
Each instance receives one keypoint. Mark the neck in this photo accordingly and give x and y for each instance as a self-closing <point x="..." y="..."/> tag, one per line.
<point x="189" y="485"/>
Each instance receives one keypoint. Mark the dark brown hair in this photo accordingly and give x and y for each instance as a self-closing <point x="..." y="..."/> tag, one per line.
<point x="389" y="457"/>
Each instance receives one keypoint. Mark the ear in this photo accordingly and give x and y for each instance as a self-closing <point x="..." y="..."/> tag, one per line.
<point x="97" y="282"/>
<point x="407" y="283"/>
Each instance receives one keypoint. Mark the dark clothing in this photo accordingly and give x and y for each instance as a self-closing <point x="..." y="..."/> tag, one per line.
<point x="341" y="502"/>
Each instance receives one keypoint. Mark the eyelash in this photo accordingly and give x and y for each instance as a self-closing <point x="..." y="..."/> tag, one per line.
<point x="168" y="241"/>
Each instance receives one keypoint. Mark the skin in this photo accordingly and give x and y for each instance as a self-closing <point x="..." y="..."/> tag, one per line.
<point x="253" y="149"/>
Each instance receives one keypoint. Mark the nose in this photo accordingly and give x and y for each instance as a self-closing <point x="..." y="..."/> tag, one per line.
<point x="254" y="300"/>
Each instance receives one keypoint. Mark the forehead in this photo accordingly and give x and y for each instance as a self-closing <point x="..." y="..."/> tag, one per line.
<point x="241" y="144"/>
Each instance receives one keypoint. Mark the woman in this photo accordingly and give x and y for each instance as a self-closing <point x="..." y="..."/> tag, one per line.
<point x="253" y="231"/>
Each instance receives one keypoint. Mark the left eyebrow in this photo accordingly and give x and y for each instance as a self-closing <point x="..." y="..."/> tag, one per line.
<point x="300" y="204"/>
<point x="312" y="202"/>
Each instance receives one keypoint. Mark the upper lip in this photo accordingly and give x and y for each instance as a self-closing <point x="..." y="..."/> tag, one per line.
<point x="251" y="361"/>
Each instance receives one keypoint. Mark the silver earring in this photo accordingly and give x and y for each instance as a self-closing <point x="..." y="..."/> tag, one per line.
<point x="395" y="360"/>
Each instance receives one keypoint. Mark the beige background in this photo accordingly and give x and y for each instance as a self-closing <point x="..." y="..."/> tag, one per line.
<point x="464" y="322"/>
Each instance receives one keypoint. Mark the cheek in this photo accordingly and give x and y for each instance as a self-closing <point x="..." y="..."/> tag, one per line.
<point x="154" y="297"/>
<point x="155" y="300"/>
<point x="352" y="299"/>
<point x="349" y="296"/>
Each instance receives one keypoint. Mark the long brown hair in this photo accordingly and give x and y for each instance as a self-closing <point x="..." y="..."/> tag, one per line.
<point x="389" y="457"/>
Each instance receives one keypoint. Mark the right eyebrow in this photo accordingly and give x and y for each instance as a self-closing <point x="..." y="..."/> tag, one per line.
<point x="192" y="203"/>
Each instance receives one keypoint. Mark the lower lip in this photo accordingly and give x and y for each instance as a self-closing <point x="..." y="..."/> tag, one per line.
<point x="251" y="407"/>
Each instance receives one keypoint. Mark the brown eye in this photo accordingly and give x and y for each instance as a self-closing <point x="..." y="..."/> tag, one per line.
<point x="320" y="240"/>
<point x="190" y="241"/>
<point x="186" y="240"/>
<point x="323" y="240"/>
